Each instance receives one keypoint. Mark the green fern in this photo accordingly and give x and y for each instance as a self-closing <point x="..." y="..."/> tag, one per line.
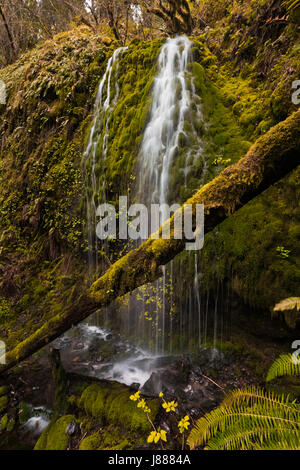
<point x="284" y="365"/>
<point x="292" y="303"/>
<point x="292" y="5"/>
<point x="249" y="419"/>
<point x="291" y="310"/>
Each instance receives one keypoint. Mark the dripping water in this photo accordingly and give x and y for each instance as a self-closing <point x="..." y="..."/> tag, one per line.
<point x="95" y="154"/>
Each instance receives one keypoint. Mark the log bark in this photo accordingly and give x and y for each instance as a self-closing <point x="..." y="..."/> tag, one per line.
<point x="271" y="158"/>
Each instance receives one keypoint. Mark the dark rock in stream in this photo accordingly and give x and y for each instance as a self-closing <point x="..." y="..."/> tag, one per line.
<point x="182" y="380"/>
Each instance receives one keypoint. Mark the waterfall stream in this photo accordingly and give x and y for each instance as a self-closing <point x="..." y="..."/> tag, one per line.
<point x="171" y="136"/>
<point x="96" y="152"/>
<point x="172" y="101"/>
<point x="173" y="98"/>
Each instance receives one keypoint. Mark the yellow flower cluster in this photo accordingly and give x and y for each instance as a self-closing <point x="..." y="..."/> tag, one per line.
<point x="142" y="404"/>
<point x="156" y="436"/>
<point x="136" y="396"/>
<point x="170" y="406"/>
<point x="184" y="424"/>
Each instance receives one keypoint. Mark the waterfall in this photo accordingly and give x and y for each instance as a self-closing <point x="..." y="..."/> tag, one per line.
<point x="171" y="144"/>
<point x="96" y="152"/>
<point x="171" y="102"/>
<point x="174" y="98"/>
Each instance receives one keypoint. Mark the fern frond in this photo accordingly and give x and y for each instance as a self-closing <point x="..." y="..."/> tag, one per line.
<point x="283" y="365"/>
<point x="254" y="396"/>
<point x="292" y="5"/>
<point x="237" y="438"/>
<point x="249" y="417"/>
<point x="292" y="303"/>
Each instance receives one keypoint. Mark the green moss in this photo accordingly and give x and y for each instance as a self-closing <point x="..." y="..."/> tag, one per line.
<point x="3" y="390"/>
<point x="111" y="404"/>
<point x="91" y="442"/>
<point x="3" y="403"/>
<point x="55" y="437"/>
<point x="3" y="423"/>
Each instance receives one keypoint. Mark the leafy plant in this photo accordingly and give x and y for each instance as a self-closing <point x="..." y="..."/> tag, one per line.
<point x="252" y="418"/>
<point x="158" y="434"/>
<point x="249" y="419"/>
<point x="291" y="308"/>
<point x="282" y="252"/>
<point x="284" y="365"/>
<point x="292" y="303"/>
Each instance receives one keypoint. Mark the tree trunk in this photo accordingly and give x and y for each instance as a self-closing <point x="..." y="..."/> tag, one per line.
<point x="10" y="38"/>
<point x="271" y="158"/>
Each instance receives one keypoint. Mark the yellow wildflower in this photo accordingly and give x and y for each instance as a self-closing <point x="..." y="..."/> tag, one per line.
<point x="170" y="406"/>
<point x="184" y="424"/>
<point x="135" y="397"/>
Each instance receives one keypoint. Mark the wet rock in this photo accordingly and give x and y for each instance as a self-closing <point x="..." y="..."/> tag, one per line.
<point x="71" y="429"/>
<point x="170" y="380"/>
<point x="135" y="387"/>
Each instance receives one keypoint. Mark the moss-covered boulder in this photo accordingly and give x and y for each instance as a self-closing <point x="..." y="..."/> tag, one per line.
<point x="106" y="419"/>
<point x="55" y="436"/>
<point x="111" y="404"/>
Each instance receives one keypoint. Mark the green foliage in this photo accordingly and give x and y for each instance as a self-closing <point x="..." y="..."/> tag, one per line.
<point x="286" y="364"/>
<point x="292" y="303"/>
<point x="291" y="311"/>
<point x="5" y="311"/>
<point x="282" y="252"/>
<point x="249" y="419"/>
<point x="252" y="418"/>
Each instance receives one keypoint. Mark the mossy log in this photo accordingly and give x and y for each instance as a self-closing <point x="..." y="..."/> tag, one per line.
<point x="272" y="157"/>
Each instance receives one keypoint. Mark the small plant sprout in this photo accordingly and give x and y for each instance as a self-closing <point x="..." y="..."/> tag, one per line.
<point x="282" y="252"/>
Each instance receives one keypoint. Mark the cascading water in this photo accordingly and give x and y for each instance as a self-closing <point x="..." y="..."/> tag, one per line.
<point x="171" y="145"/>
<point x="174" y="98"/>
<point x="96" y="152"/>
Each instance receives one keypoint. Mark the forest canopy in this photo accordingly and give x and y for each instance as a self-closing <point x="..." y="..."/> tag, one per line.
<point x="24" y="23"/>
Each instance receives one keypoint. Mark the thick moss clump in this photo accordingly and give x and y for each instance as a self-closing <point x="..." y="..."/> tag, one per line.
<point x="111" y="404"/>
<point x="50" y="94"/>
<point x="55" y="436"/>
<point x="3" y="403"/>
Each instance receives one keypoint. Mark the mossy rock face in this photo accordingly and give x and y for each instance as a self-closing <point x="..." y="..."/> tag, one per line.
<point x="55" y="436"/>
<point x="111" y="438"/>
<point x="42" y="181"/>
<point x="42" y="208"/>
<point x="111" y="404"/>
